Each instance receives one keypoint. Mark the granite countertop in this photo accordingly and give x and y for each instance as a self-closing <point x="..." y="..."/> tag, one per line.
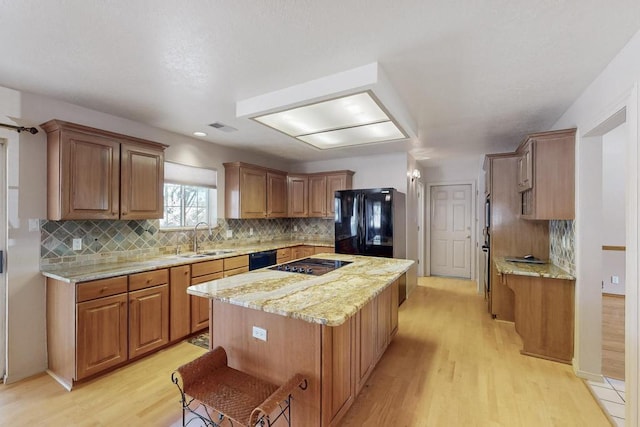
<point x="548" y="270"/>
<point x="103" y="271"/>
<point x="330" y="299"/>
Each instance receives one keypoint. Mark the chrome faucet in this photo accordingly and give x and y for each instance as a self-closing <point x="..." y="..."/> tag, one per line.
<point x="195" y="235"/>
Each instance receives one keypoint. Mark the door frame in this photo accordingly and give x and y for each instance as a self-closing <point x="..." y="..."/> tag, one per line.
<point x="629" y="102"/>
<point x="474" y="226"/>
<point x="420" y="195"/>
<point x="4" y="308"/>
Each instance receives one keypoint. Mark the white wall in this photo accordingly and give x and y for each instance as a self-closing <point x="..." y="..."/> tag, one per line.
<point x="613" y="186"/>
<point x="613" y="203"/>
<point x="613" y="89"/>
<point x="387" y="170"/>
<point x="27" y="187"/>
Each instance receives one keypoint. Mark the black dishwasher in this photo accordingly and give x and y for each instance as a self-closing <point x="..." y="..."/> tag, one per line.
<point x="262" y="259"/>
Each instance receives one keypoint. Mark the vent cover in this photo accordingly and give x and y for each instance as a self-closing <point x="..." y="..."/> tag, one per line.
<point x="222" y="127"/>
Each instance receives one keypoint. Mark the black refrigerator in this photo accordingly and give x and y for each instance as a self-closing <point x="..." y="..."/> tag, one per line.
<point x="370" y="222"/>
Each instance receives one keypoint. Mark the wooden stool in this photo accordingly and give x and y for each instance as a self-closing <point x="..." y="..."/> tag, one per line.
<point x="237" y="398"/>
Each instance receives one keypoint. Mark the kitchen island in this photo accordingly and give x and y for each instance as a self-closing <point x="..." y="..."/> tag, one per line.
<point x="331" y="328"/>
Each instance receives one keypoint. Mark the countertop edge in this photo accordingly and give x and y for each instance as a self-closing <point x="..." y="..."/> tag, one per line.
<point x="547" y="271"/>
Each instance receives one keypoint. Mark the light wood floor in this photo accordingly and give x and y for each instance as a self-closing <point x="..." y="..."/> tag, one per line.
<point x="450" y="365"/>
<point x="613" y="336"/>
<point x="140" y="394"/>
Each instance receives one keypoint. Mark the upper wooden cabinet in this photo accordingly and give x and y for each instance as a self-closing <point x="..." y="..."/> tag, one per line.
<point x="298" y="195"/>
<point x="142" y="182"/>
<point x="546" y="175"/>
<point x="276" y="195"/>
<point x="525" y="167"/>
<point x="321" y="188"/>
<point x="254" y="192"/>
<point x="95" y="174"/>
<point x="336" y="181"/>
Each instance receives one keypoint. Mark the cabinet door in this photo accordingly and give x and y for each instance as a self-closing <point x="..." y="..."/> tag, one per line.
<point x="90" y="178"/>
<point x="335" y="183"/>
<point x="365" y="343"/>
<point x="199" y="313"/>
<point x="142" y="186"/>
<point x="253" y="194"/>
<point x="276" y="195"/>
<point x="525" y="168"/>
<point x="298" y="196"/>
<point x="101" y="334"/>
<point x="383" y="321"/>
<point x="395" y="297"/>
<point x="317" y="196"/>
<point x="338" y="379"/>
<point x="148" y="319"/>
<point x="180" y="302"/>
<point x="199" y="305"/>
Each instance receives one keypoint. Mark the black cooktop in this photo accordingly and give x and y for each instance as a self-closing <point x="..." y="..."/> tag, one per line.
<point x="312" y="266"/>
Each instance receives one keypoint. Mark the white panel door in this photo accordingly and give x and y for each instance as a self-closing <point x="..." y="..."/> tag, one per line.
<point x="451" y="230"/>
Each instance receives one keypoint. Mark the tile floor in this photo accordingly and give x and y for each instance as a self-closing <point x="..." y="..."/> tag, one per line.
<point x="611" y="396"/>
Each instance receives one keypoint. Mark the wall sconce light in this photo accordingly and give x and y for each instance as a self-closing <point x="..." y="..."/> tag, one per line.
<point x="415" y="175"/>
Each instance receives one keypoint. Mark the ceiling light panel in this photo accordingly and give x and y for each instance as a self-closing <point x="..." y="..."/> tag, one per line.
<point x="348" y="111"/>
<point x="377" y="132"/>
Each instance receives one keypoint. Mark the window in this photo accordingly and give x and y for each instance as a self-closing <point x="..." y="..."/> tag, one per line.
<point x="190" y="196"/>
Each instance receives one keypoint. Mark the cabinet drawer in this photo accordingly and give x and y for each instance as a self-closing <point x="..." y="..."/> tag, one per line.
<point x="323" y="249"/>
<point x="234" y="271"/>
<point x="206" y="267"/>
<point x="101" y="288"/>
<point x="236" y="262"/>
<point x="206" y="278"/>
<point x="148" y="279"/>
<point x="283" y="253"/>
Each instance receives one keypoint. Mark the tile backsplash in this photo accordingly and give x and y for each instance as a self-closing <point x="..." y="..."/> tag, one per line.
<point x="111" y="241"/>
<point x="562" y="240"/>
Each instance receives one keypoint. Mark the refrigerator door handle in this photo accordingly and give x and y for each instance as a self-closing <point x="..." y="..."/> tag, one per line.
<point x="359" y="226"/>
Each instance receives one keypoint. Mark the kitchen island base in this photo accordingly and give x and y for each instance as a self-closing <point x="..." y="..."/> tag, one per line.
<point x="335" y="360"/>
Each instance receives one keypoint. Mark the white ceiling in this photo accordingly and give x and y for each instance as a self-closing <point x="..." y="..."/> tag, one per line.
<point x="475" y="76"/>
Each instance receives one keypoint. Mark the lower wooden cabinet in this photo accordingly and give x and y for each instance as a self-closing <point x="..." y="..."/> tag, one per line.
<point x="199" y="313"/>
<point x="338" y="379"/>
<point x="101" y="335"/>
<point x="302" y="251"/>
<point x="376" y="325"/>
<point x="179" y="302"/>
<point x="544" y="313"/>
<point x="365" y="343"/>
<point x="148" y="320"/>
<point x="283" y="255"/>
<point x="198" y="310"/>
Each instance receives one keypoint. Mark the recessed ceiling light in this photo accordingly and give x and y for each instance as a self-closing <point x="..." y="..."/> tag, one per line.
<point x="350" y="120"/>
<point x="198" y="133"/>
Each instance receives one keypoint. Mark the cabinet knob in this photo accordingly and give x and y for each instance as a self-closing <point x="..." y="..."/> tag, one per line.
<point x="104" y="289"/>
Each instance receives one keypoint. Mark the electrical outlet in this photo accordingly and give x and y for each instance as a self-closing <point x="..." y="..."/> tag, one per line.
<point x="34" y="224"/>
<point x="259" y="333"/>
<point x="295" y="228"/>
<point x="229" y="234"/>
<point x="250" y="231"/>
<point x="77" y="244"/>
<point x="615" y="280"/>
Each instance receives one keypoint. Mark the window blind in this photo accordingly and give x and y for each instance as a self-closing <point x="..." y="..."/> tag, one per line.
<point x="177" y="173"/>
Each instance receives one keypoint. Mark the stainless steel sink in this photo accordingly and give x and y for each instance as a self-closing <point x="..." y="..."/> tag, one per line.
<point x="218" y="252"/>
<point x="207" y="254"/>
